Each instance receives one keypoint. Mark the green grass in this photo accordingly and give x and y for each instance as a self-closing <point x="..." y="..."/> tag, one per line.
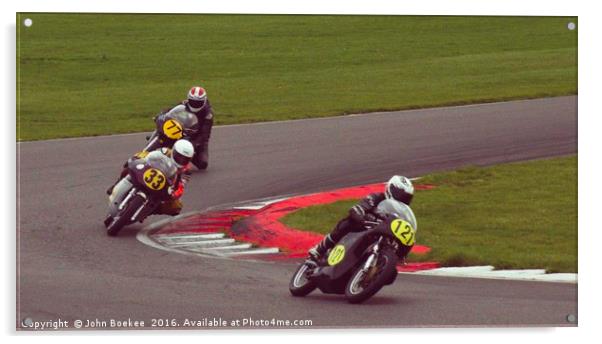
<point x="520" y="215"/>
<point x="90" y="74"/>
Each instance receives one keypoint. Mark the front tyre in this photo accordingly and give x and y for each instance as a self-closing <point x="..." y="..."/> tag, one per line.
<point x="123" y="218"/>
<point x="299" y="284"/>
<point x="363" y="284"/>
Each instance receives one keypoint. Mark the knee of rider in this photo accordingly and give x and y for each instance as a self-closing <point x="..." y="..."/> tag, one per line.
<point x="336" y="235"/>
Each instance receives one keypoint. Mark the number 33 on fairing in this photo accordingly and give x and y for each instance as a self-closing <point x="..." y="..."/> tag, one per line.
<point x="154" y="179"/>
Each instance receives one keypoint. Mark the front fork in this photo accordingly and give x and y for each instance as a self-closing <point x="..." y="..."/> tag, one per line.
<point x="371" y="261"/>
<point x="153" y="142"/>
<point x="125" y="201"/>
<point x="133" y="218"/>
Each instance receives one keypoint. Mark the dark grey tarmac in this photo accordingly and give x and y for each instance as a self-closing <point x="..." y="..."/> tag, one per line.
<point x="69" y="269"/>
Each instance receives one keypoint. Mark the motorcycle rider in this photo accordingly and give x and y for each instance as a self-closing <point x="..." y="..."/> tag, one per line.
<point x="361" y="216"/>
<point x="198" y="104"/>
<point x="181" y="154"/>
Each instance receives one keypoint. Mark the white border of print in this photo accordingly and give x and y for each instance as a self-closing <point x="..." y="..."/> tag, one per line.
<point x="589" y="150"/>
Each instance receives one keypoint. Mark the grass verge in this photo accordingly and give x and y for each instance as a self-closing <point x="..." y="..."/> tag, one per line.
<point x="92" y="74"/>
<point x="519" y="215"/>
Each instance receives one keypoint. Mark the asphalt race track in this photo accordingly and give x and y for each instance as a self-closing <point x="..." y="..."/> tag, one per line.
<point x="68" y="268"/>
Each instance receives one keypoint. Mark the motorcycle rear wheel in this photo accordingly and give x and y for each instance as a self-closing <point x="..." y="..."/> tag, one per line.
<point x="358" y="290"/>
<point x="299" y="284"/>
<point x="124" y="217"/>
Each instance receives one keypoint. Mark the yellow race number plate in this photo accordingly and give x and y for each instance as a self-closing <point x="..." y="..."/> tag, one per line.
<point x="336" y="255"/>
<point x="173" y="129"/>
<point x="154" y="179"/>
<point x="403" y="231"/>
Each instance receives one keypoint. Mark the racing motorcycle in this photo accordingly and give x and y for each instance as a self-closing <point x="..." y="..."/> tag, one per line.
<point x="138" y="194"/>
<point x="362" y="262"/>
<point x="172" y="126"/>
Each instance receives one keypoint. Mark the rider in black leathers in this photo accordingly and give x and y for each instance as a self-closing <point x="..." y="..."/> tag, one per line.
<point x="198" y="104"/>
<point x="361" y="215"/>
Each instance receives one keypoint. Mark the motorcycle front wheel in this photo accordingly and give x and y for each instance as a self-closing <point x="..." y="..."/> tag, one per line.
<point x="123" y="218"/>
<point x="299" y="284"/>
<point x="363" y="284"/>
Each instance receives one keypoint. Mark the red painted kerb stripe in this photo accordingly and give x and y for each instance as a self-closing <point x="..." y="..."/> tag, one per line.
<point x="263" y="228"/>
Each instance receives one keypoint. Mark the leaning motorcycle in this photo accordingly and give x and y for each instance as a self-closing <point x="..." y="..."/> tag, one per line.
<point x="141" y="191"/>
<point x="172" y="126"/>
<point x="362" y="262"/>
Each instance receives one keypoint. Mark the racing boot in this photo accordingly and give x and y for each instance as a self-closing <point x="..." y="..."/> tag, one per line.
<point x="201" y="156"/>
<point x="317" y="252"/>
<point x="172" y="208"/>
<point x="110" y="189"/>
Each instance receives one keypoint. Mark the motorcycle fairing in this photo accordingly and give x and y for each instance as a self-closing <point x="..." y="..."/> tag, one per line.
<point x="188" y="121"/>
<point x="333" y="278"/>
<point x="156" y="160"/>
<point x="119" y="192"/>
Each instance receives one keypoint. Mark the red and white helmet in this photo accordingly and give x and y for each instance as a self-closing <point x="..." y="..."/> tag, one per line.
<point x="196" y="98"/>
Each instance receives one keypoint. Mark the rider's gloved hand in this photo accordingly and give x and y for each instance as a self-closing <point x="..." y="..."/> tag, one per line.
<point x="369" y="221"/>
<point x="178" y="191"/>
<point x="370" y="217"/>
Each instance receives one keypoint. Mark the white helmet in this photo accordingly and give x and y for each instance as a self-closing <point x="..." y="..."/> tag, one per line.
<point x="196" y="98"/>
<point x="400" y="188"/>
<point x="182" y="152"/>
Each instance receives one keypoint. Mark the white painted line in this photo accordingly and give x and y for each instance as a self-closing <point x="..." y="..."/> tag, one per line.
<point x="254" y="251"/>
<point x="488" y="272"/>
<point x="172" y="237"/>
<point x="250" y="207"/>
<point x="230" y="247"/>
<point x="259" y="204"/>
<point x="203" y="243"/>
<point x="457" y="271"/>
<point x="533" y="272"/>
<point x="559" y="277"/>
<point x="143" y="237"/>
